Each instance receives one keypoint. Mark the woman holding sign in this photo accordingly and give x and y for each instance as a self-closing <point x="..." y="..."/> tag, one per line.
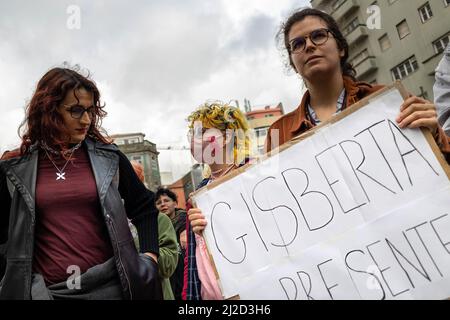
<point x="319" y="53"/>
<point x="219" y="139"/>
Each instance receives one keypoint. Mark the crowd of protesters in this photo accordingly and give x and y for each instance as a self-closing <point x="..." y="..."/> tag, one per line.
<point x="70" y="197"/>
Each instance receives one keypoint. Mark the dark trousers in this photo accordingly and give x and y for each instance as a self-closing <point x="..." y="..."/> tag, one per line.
<point x="100" y="282"/>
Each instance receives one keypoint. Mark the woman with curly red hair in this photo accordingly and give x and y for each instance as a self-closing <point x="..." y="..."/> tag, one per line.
<point x="65" y="196"/>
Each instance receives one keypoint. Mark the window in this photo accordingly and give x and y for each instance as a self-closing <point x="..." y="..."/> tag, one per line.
<point x="404" y="69"/>
<point x="425" y="12"/>
<point x="337" y="4"/>
<point x="403" y="29"/>
<point x="155" y="169"/>
<point x="360" y="57"/>
<point x="350" y="27"/>
<point x="261" y="149"/>
<point x="137" y="159"/>
<point x="440" y="44"/>
<point x="261" y="132"/>
<point x="268" y="115"/>
<point x="385" y="43"/>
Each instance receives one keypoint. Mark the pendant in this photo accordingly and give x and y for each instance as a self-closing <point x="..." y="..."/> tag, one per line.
<point x="60" y="176"/>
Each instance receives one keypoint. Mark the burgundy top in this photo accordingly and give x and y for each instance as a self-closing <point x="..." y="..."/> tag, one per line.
<point x="70" y="229"/>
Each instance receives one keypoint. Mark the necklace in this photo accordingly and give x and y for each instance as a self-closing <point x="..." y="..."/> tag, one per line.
<point x="55" y="152"/>
<point x="60" y="175"/>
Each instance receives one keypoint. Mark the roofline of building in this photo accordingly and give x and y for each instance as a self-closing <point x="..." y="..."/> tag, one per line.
<point x="120" y="135"/>
<point x="262" y="111"/>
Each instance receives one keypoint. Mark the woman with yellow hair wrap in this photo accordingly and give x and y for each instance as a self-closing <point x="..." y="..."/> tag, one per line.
<point x="219" y="137"/>
<point x="218" y="134"/>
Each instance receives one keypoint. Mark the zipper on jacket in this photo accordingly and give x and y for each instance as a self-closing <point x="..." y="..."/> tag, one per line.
<point x="32" y="243"/>
<point x="111" y="222"/>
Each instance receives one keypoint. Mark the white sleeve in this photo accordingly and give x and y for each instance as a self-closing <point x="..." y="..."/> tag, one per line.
<point x="441" y="91"/>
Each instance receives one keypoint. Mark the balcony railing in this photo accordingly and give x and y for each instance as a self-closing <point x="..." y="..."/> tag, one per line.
<point x="358" y="34"/>
<point x="344" y="7"/>
<point x="366" y="66"/>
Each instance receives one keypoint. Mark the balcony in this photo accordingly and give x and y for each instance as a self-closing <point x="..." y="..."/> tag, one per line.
<point x="344" y="8"/>
<point x="317" y="3"/>
<point x="365" y="67"/>
<point x="357" y="34"/>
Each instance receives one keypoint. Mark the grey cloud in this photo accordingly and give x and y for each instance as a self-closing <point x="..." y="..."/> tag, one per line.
<point x="257" y="34"/>
<point x="150" y="55"/>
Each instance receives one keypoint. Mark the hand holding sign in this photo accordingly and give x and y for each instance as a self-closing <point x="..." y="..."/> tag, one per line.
<point x="417" y="112"/>
<point x="197" y="220"/>
<point x="314" y="221"/>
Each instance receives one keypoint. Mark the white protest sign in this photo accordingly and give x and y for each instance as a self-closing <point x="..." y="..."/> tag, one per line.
<point x="359" y="209"/>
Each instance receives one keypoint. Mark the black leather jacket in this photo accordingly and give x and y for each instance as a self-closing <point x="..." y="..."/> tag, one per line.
<point x="138" y="273"/>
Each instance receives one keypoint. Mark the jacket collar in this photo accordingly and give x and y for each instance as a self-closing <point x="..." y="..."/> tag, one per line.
<point x="22" y="171"/>
<point x="300" y="119"/>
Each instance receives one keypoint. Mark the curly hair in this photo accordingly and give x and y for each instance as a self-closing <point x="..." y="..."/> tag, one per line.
<point x="165" y="192"/>
<point x="224" y="117"/>
<point x="44" y="123"/>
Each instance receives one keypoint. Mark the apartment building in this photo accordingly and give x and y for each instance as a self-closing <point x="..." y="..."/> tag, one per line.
<point x="394" y="39"/>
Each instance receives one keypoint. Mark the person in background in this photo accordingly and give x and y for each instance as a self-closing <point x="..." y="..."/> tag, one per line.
<point x="441" y="91"/>
<point x="166" y="202"/>
<point x="168" y="248"/>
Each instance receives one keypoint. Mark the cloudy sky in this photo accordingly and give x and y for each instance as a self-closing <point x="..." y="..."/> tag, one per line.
<point x="154" y="61"/>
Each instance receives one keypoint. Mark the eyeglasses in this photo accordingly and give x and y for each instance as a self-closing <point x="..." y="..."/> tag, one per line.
<point x="318" y="37"/>
<point x="198" y="134"/>
<point x="78" y="111"/>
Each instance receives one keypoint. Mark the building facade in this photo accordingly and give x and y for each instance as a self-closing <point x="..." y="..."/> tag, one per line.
<point x="136" y="148"/>
<point x="394" y="39"/>
<point x="260" y="120"/>
<point x="187" y="184"/>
